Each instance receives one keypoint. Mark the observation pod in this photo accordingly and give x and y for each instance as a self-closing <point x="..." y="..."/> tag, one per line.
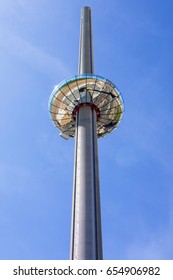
<point x="86" y="90"/>
<point x="86" y="107"/>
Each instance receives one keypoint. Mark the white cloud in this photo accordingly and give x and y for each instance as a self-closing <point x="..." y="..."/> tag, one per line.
<point x="159" y="246"/>
<point x="153" y="243"/>
<point x="32" y="55"/>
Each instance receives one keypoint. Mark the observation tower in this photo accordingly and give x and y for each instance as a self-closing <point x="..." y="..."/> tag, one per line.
<point x="86" y="107"/>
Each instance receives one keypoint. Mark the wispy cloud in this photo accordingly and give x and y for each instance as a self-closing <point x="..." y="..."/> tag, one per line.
<point x="158" y="246"/>
<point x="32" y="55"/>
<point x="153" y="243"/>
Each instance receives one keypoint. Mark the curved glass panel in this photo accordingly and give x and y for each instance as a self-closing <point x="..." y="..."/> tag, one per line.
<point x="86" y="88"/>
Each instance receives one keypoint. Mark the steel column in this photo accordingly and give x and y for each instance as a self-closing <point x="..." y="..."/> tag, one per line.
<point x="86" y="237"/>
<point x="86" y="60"/>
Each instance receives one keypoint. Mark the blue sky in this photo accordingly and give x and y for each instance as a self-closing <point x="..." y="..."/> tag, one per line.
<point x="133" y="42"/>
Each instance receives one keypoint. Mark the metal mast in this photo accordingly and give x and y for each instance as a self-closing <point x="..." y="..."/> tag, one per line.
<point x="86" y="107"/>
<point x="86" y="237"/>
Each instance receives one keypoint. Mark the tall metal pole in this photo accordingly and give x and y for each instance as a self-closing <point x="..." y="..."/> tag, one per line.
<point x="86" y="236"/>
<point x="86" y="60"/>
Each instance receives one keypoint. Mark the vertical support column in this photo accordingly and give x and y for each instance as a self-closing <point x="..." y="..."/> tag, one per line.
<point x="86" y="60"/>
<point x="86" y="239"/>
